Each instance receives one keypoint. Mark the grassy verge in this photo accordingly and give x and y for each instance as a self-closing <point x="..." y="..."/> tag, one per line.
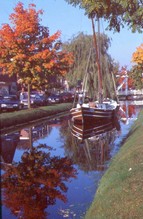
<point x="27" y="115"/>
<point x="120" y="193"/>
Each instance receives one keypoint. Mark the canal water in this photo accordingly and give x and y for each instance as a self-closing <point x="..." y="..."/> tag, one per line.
<point x="47" y="172"/>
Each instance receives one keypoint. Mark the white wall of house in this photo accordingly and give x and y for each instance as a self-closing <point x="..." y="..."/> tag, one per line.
<point x="8" y="88"/>
<point x="4" y="88"/>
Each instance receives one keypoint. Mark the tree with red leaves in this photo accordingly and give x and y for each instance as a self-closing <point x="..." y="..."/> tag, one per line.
<point x="28" y="51"/>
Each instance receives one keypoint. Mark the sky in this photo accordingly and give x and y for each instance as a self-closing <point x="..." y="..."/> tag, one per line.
<point x="59" y="15"/>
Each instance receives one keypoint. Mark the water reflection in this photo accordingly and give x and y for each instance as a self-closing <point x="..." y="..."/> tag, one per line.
<point x="35" y="182"/>
<point x="129" y="110"/>
<point x="8" y="146"/>
<point x="30" y="134"/>
<point x="91" y="144"/>
<point x="82" y="131"/>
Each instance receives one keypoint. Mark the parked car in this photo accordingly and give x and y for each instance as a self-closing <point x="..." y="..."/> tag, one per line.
<point x="35" y="100"/>
<point x="67" y="97"/>
<point x="10" y="102"/>
<point x="1" y="98"/>
<point x="44" y="99"/>
<point x="54" y="98"/>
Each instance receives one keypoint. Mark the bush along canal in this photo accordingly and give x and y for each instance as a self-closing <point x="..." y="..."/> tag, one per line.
<point x="49" y="173"/>
<point x="17" y="118"/>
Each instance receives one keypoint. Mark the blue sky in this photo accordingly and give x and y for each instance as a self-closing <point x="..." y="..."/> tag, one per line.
<point x="58" y="15"/>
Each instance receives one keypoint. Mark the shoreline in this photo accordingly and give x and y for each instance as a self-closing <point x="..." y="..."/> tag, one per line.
<point x="120" y="191"/>
<point x="17" y="119"/>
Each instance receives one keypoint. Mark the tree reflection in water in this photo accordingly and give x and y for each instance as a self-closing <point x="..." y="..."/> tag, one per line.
<point x="35" y="182"/>
<point x="92" y="153"/>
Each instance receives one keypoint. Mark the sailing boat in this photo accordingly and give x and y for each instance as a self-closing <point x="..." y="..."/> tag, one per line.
<point x="84" y="131"/>
<point x="92" y="112"/>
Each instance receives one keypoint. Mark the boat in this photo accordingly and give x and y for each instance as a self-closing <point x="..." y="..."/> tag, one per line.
<point x="86" y="111"/>
<point x="94" y="112"/>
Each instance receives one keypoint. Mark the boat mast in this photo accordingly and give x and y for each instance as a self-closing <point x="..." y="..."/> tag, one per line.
<point x="100" y="86"/>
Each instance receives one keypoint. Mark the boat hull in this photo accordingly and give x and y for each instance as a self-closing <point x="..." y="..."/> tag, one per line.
<point x="91" y="115"/>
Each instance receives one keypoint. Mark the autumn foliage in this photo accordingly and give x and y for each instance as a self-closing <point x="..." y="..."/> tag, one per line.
<point x="138" y="55"/>
<point x="28" y="50"/>
<point x="137" y="70"/>
<point x="36" y="182"/>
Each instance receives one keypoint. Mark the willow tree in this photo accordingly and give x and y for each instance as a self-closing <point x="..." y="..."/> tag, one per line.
<point x="117" y="13"/>
<point x="84" y="55"/>
<point x="28" y="51"/>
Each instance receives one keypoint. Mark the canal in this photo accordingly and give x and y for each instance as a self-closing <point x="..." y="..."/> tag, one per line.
<point x="47" y="172"/>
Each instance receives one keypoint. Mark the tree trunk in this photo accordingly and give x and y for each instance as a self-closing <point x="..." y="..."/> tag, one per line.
<point x="29" y="101"/>
<point x="30" y="138"/>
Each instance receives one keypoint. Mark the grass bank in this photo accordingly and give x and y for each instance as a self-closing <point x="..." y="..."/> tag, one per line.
<point x="27" y="115"/>
<point x="120" y="193"/>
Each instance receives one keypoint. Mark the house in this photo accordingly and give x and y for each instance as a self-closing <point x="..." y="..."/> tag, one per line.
<point x="8" y="85"/>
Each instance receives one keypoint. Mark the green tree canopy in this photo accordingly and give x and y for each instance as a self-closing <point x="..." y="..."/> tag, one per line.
<point x="137" y="76"/>
<point x="117" y="13"/>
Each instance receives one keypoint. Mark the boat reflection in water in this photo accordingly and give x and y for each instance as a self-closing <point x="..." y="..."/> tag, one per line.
<point x="83" y="132"/>
<point x="93" y="144"/>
